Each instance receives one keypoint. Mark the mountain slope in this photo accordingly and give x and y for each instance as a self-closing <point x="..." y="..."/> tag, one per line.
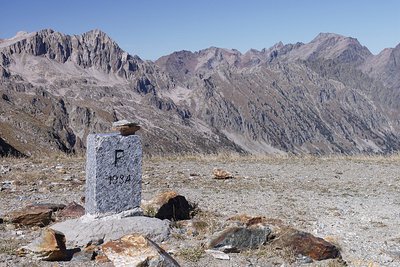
<point x="60" y="88"/>
<point x="322" y="97"/>
<point x="303" y="98"/>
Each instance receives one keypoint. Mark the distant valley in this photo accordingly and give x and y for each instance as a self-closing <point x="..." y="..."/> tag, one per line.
<point x="328" y="96"/>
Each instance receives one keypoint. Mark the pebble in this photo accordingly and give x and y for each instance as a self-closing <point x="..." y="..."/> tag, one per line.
<point x="4" y="169"/>
<point x="19" y="232"/>
<point x="67" y="178"/>
<point x="8" y="185"/>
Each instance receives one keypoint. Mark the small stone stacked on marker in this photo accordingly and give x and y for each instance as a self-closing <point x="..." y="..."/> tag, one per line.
<point x="125" y="127"/>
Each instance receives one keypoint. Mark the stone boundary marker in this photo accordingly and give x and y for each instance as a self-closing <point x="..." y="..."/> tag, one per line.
<point x="113" y="174"/>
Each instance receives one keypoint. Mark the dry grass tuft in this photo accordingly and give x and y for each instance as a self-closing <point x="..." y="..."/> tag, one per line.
<point x="267" y="251"/>
<point x="9" y="246"/>
<point x="206" y="222"/>
<point x="192" y="254"/>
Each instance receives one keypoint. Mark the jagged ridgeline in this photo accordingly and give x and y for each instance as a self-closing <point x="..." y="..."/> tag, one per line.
<point x="327" y="96"/>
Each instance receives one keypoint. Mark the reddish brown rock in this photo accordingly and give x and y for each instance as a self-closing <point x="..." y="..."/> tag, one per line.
<point x="168" y="205"/>
<point x="72" y="210"/>
<point x="50" y="246"/>
<point x="221" y="174"/>
<point x="308" y="245"/>
<point x="136" y="250"/>
<point x="31" y="216"/>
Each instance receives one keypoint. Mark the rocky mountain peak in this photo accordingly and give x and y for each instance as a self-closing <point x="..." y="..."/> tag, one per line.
<point x="99" y="38"/>
<point x="218" y="54"/>
<point x="277" y="46"/>
<point x="97" y="32"/>
<point x="184" y="63"/>
<point x="21" y="33"/>
<point x="385" y="67"/>
<point x="332" y="46"/>
<point x="93" y="49"/>
<point x="328" y="36"/>
<point x="179" y="64"/>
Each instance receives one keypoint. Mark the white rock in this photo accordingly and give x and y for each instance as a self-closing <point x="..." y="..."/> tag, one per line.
<point x="217" y="254"/>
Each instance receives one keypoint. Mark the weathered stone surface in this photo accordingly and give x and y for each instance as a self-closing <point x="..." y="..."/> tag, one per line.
<point x="113" y="174"/>
<point x="306" y="244"/>
<point x="30" y="216"/>
<point x="79" y="232"/>
<point x="50" y="246"/>
<point x="125" y="127"/>
<point x="235" y="239"/>
<point x="221" y="174"/>
<point x="168" y="205"/>
<point x="72" y="210"/>
<point x="83" y="256"/>
<point x="137" y="250"/>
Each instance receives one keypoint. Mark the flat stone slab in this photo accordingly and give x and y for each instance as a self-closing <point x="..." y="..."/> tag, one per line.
<point x="125" y="123"/>
<point x="79" y="232"/>
<point x="125" y="127"/>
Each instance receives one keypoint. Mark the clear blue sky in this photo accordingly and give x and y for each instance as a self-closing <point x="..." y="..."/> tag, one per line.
<point x="151" y="29"/>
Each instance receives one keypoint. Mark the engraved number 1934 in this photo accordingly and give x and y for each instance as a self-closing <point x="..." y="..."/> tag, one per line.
<point x="119" y="179"/>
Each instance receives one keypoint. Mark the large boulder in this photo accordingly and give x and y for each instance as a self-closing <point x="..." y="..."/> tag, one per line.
<point x="169" y="205"/>
<point x="137" y="251"/>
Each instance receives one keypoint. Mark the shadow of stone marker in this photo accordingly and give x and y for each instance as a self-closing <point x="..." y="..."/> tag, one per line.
<point x="113" y="175"/>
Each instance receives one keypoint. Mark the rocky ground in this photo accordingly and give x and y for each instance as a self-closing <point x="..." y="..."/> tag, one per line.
<point x="353" y="202"/>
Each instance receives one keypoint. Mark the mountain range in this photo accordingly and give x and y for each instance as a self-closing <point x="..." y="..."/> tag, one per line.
<point x="328" y="96"/>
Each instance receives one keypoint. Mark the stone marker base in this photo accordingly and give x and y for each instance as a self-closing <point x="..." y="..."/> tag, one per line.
<point x="79" y="232"/>
<point x="127" y="213"/>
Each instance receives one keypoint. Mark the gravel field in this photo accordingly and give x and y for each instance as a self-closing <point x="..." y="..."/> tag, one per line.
<point x="354" y="202"/>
